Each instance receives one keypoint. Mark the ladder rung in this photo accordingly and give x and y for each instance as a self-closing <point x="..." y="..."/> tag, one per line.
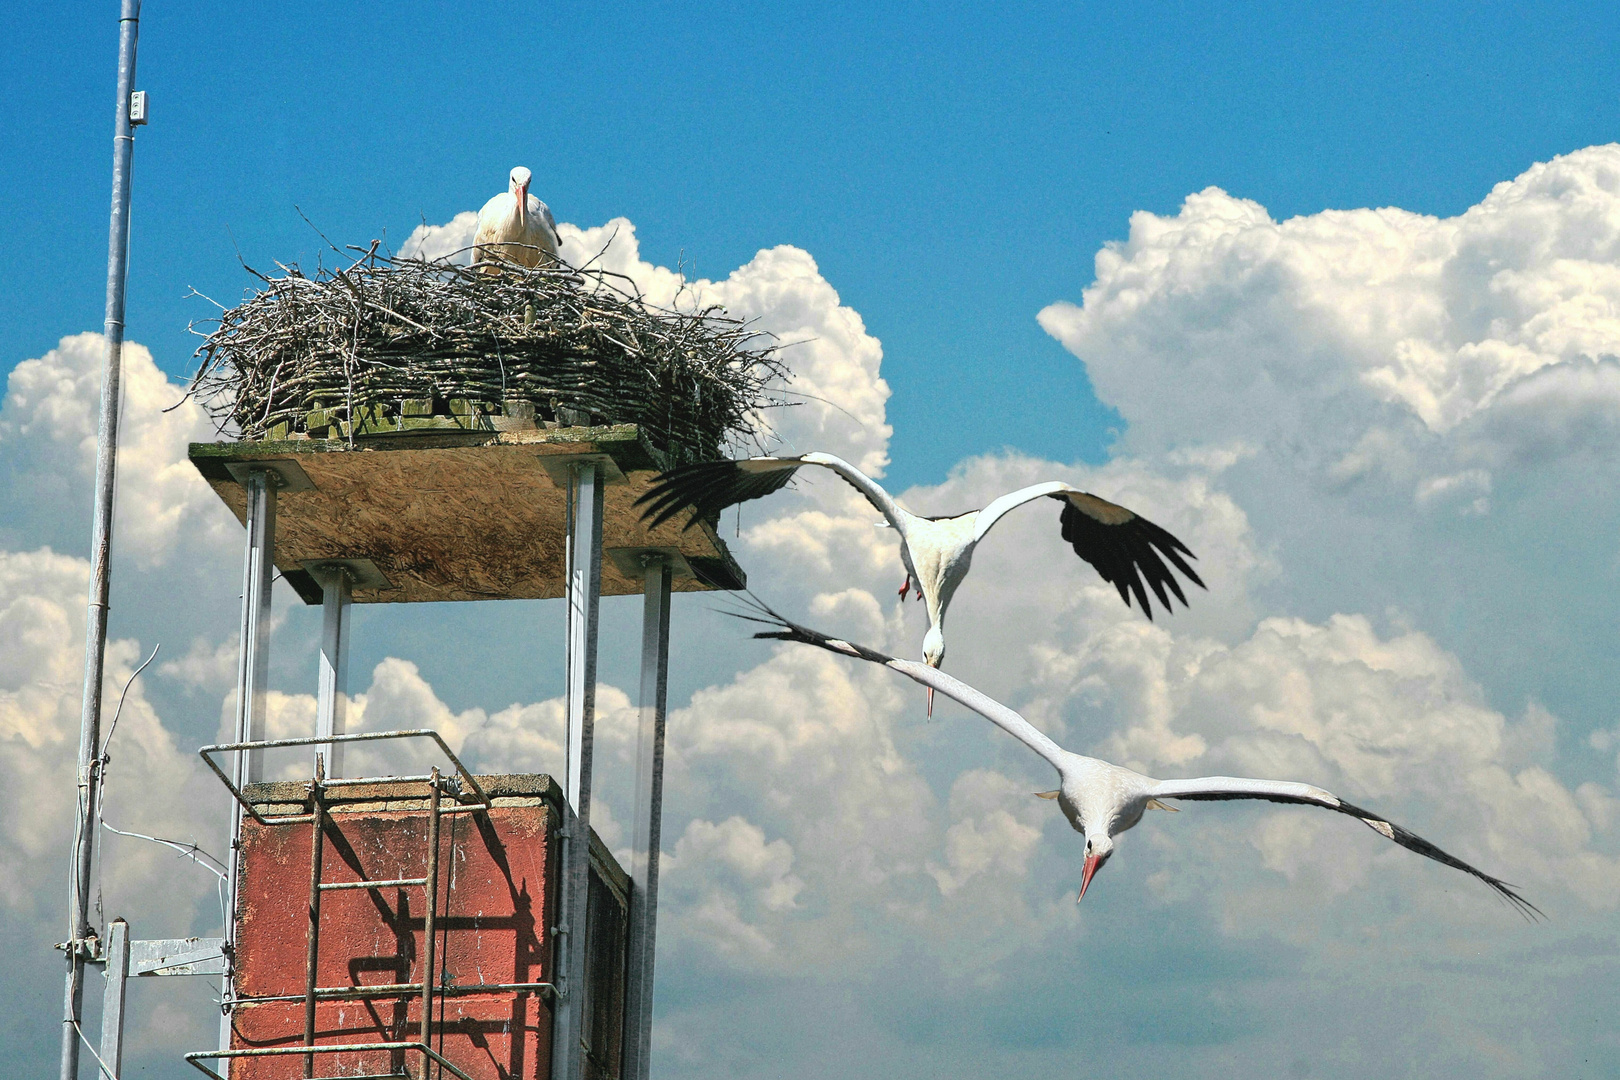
<point x="378" y="990"/>
<point x="329" y="993"/>
<point x="327" y="886"/>
<point x="357" y="781"/>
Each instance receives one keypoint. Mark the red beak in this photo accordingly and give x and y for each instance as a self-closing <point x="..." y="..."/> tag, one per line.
<point x="1092" y="862"/>
<point x="930" y="703"/>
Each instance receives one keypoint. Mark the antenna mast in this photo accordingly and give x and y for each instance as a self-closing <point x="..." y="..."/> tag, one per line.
<point x="84" y="945"/>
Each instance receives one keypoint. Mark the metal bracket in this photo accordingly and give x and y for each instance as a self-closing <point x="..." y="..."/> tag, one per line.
<point x="177" y="956"/>
<point x="87" y="949"/>
<point x="362" y="573"/>
<point x="632" y="562"/>
<point x="292" y="476"/>
<point x="558" y="465"/>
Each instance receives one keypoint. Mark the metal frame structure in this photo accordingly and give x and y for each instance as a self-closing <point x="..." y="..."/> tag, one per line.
<point x="657" y="567"/>
<point x="585" y="478"/>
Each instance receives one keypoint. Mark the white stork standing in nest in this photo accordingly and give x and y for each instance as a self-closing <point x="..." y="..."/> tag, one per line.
<point x="937" y="551"/>
<point x="515" y="227"/>
<point x="1102" y="800"/>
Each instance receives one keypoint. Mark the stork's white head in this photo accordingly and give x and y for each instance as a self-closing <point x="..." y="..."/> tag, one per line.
<point x="1098" y="849"/>
<point x="520" y="190"/>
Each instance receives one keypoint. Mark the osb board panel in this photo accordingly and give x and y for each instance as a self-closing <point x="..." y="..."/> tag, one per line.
<point x="473" y="517"/>
<point x="494" y="905"/>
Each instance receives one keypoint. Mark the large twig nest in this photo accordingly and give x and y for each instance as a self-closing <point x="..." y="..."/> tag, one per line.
<point x="389" y="345"/>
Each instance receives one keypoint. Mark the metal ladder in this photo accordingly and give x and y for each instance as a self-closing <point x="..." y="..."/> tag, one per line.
<point x="318" y="888"/>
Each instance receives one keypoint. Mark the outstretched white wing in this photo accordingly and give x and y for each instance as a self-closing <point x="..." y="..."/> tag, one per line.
<point x="1220" y="788"/>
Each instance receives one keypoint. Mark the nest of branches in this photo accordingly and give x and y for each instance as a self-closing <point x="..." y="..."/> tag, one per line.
<point x="388" y="346"/>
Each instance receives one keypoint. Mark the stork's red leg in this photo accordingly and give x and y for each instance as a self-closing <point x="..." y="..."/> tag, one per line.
<point x="905" y="587"/>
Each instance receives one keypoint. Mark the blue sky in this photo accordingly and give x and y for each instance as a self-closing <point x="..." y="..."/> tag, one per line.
<point x="951" y="172"/>
<point x="1388" y="433"/>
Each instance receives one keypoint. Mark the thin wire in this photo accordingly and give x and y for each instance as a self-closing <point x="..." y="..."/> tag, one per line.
<point x="102" y="757"/>
<point x="190" y="851"/>
<point x="100" y="764"/>
<point x="101" y="1064"/>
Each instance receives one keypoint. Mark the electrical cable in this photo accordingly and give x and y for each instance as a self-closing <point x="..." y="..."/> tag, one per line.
<point x="188" y="850"/>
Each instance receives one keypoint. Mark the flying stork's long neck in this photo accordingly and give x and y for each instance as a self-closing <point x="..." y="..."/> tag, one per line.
<point x="994" y="711"/>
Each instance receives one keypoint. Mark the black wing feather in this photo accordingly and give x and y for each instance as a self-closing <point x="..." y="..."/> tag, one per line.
<point x="1408" y="840"/>
<point x="1124" y="554"/>
<point x="707" y="488"/>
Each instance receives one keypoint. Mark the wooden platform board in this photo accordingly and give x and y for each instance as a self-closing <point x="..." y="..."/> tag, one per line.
<point x="463" y="515"/>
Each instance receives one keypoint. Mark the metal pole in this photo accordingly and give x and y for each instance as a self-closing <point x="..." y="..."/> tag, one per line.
<point x="112" y="1001"/>
<point x="312" y="940"/>
<point x="81" y="945"/>
<point x="638" y="994"/>
<point x="584" y="599"/>
<point x="429" y="912"/>
<point x="584" y="596"/>
<point x="252" y="671"/>
<point x="332" y="700"/>
<point x="253" y="659"/>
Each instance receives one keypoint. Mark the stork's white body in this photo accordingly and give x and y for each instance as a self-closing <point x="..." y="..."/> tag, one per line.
<point x="515" y="227"/>
<point x="1112" y="799"/>
<point x="937" y="552"/>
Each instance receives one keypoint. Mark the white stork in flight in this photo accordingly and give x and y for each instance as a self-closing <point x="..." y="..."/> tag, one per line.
<point x="937" y="551"/>
<point x="1102" y="800"/>
<point x="515" y="227"/>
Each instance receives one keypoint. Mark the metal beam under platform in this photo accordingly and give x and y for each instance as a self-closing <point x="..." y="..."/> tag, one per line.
<point x="461" y="515"/>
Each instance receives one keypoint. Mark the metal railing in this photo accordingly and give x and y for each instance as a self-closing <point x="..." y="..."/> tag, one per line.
<point x="196" y="1059"/>
<point x="462" y="773"/>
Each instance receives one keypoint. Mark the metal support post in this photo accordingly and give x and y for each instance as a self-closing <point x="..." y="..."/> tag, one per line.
<point x="80" y="946"/>
<point x="312" y="938"/>
<point x="430" y="911"/>
<point x="112" y="1001"/>
<point x="584" y="594"/>
<point x="584" y="601"/>
<point x="252" y="673"/>
<point x="332" y="700"/>
<point x="638" y="994"/>
<point x="253" y="661"/>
